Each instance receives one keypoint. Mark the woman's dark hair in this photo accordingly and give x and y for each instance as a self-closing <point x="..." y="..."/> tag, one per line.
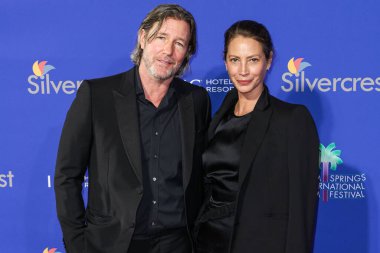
<point x="249" y="29"/>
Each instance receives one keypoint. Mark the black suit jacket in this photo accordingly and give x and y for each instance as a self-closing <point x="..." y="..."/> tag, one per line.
<point x="101" y="134"/>
<point x="278" y="179"/>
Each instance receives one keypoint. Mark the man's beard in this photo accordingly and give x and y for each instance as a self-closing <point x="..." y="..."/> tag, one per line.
<point x="149" y="64"/>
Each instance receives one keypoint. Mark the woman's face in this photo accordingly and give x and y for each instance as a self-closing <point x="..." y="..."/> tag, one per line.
<point x="246" y="65"/>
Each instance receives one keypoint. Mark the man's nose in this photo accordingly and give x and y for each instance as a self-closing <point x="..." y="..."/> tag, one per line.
<point x="168" y="48"/>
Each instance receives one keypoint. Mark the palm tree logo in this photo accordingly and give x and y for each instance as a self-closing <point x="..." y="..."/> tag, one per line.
<point x="329" y="158"/>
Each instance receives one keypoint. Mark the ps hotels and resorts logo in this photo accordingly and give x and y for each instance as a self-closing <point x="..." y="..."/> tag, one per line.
<point x="296" y="80"/>
<point x="6" y="180"/>
<point x="52" y="250"/>
<point x="338" y="186"/>
<point x="41" y="83"/>
<point x="214" y="85"/>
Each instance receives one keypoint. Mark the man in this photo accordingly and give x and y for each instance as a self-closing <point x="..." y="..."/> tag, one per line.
<point x="140" y="135"/>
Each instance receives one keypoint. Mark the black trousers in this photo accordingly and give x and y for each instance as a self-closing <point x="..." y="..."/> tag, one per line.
<point x="173" y="241"/>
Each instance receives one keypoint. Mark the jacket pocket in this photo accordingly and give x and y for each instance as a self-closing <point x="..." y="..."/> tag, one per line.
<point x="95" y="217"/>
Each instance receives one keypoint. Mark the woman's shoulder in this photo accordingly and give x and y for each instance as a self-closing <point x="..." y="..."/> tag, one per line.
<point x="288" y="110"/>
<point x="279" y="104"/>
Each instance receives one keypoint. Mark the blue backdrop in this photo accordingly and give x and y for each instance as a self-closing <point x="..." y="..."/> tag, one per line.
<point x="338" y="80"/>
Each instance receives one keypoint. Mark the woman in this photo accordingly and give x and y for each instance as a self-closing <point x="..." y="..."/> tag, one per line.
<point x="261" y="161"/>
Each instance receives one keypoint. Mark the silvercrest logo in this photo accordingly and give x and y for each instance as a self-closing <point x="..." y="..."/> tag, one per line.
<point x="296" y="80"/>
<point x="6" y="180"/>
<point x="40" y="82"/>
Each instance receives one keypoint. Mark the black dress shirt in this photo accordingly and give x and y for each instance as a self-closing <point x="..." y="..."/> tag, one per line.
<point x="162" y="204"/>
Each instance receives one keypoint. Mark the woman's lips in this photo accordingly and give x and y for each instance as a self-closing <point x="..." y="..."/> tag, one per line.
<point x="244" y="82"/>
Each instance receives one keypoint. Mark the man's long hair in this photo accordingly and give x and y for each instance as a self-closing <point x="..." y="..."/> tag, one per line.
<point x="159" y="15"/>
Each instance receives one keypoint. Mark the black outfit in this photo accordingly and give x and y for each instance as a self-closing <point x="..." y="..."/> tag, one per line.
<point x="162" y="205"/>
<point x="175" y="240"/>
<point x="222" y="157"/>
<point x="275" y="204"/>
<point x="102" y="135"/>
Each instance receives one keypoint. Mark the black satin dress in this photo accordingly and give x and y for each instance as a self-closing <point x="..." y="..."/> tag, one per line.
<point x="221" y="162"/>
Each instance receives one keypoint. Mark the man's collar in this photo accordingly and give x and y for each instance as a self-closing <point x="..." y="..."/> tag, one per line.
<point x="138" y="85"/>
<point x="172" y="91"/>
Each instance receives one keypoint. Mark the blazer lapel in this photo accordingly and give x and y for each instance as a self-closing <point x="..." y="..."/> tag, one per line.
<point x="186" y="115"/>
<point x="127" y="117"/>
<point x="257" y="128"/>
<point x="228" y="102"/>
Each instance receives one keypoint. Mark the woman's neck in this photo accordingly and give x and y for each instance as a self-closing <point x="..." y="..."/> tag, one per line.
<point x="246" y="102"/>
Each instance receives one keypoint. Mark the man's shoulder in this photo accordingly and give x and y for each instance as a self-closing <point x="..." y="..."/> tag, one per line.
<point x="116" y="78"/>
<point x="106" y="79"/>
<point x="107" y="84"/>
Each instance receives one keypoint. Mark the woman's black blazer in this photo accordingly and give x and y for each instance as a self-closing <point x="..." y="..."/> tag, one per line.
<point x="278" y="180"/>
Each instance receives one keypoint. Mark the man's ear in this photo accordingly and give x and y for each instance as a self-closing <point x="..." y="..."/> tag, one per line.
<point x="142" y="38"/>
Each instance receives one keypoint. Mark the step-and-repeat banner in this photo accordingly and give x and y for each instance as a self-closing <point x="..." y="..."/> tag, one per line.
<point x="327" y="58"/>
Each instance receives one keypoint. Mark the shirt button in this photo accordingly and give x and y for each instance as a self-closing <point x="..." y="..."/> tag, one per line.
<point x="155" y="156"/>
<point x="154" y="202"/>
<point x="153" y="223"/>
<point x="154" y="179"/>
<point x="155" y="133"/>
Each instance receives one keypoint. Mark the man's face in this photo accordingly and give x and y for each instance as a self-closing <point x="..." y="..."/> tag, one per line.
<point x="163" y="54"/>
